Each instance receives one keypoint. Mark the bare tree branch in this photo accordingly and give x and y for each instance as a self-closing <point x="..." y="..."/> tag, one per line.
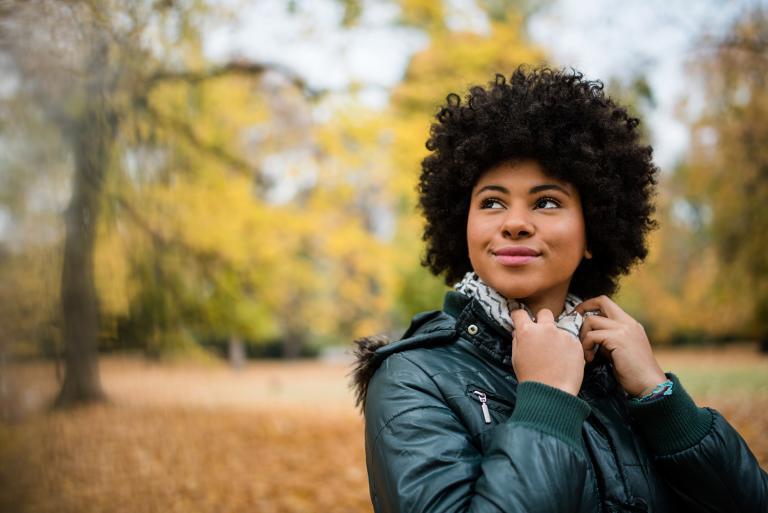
<point x="237" y="164"/>
<point x="233" y="68"/>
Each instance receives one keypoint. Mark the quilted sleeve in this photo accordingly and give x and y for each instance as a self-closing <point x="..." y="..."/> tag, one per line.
<point x="701" y="456"/>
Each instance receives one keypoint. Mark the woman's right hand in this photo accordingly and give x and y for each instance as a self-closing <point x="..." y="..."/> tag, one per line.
<point x="544" y="353"/>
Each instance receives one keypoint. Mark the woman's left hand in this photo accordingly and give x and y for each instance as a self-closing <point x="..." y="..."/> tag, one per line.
<point x="623" y="340"/>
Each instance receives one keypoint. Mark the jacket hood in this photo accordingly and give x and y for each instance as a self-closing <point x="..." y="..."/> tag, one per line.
<point x="428" y="328"/>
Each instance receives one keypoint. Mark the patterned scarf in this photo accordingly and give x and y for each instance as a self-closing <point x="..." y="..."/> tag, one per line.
<point x="498" y="307"/>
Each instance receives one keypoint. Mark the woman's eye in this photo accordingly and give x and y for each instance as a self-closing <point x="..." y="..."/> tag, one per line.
<point x="491" y="203"/>
<point x="547" y="203"/>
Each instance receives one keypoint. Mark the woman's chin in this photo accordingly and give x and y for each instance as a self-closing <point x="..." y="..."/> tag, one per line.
<point x="517" y="293"/>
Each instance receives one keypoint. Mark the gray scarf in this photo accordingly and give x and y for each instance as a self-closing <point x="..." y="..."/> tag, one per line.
<point x="498" y="307"/>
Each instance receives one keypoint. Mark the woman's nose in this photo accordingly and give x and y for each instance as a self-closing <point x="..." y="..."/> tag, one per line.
<point x="517" y="224"/>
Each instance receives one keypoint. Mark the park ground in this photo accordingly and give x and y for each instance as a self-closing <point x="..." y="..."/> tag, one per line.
<point x="272" y="437"/>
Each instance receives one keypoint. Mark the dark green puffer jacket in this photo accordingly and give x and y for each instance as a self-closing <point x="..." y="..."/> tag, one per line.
<point x="448" y="429"/>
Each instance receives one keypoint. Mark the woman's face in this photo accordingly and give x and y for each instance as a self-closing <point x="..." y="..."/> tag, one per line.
<point x="526" y="235"/>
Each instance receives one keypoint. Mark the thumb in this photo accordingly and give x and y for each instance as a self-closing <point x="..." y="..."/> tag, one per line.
<point x="520" y="318"/>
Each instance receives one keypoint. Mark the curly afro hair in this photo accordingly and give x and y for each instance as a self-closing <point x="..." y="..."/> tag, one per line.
<point x="576" y="133"/>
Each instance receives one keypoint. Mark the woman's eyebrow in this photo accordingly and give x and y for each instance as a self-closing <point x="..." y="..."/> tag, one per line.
<point x="533" y="190"/>
<point x="497" y="188"/>
<point x="547" y="187"/>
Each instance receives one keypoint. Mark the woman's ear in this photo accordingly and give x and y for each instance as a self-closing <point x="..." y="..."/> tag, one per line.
<point x="587" y="254"/>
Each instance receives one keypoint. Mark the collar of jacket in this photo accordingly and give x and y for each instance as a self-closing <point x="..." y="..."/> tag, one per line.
<point x="492" y="340"/>
<point x="460" y="316"/>
<point x="475" y="325"/>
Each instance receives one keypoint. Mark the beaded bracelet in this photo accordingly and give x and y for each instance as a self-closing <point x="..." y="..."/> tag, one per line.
<point x="660" y="390"/>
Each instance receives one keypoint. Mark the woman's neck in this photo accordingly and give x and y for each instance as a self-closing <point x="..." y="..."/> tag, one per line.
<point x="555" y="304"/>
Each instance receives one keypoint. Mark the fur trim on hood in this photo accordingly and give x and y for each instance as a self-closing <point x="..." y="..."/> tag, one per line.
<point x="364" y="366"/>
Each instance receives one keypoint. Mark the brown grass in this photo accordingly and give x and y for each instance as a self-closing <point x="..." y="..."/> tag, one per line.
<point x="275" y="437"/>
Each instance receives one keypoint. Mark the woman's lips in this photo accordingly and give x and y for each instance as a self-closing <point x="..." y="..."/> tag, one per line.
<point x="512" y="260"/>
<point x="513" y="256"/>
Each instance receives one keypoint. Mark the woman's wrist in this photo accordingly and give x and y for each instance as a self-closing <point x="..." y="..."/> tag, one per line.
<point x="672" y="423"/>
<point x="649" y="385"/>
<point x="662" y="389"/>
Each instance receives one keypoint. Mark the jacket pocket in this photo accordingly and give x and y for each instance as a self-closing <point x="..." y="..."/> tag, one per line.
<point x="489" y="401"/>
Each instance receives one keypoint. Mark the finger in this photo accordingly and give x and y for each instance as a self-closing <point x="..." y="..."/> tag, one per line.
<point x="589" y="305"/>
<point x="589" y="355"/>
<point x="596" y="322"/>
<point x="589" y="342"/>
<point x="545" y="315"/>
<point x="593" y="342"/>
<point x="520" y="318"/>
<point x="606" y="339"/>
<point x="597" y="338"/>
<point x="605" y="305"/>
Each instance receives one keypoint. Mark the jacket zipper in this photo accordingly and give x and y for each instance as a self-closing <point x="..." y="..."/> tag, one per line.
<point x="483" y="405"/>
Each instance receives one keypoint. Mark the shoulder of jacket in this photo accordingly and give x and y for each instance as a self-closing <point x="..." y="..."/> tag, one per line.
<point x="427" y="329"/>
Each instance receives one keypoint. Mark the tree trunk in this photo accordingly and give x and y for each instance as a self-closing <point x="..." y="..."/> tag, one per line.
<point x="92" y="143"/>
<point x="236" y="352"/>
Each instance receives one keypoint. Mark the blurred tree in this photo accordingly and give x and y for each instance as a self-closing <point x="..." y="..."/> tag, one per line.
<point x="30" y="180"/>
<point x="727" y="173"/>
<point x="434" y="16"/>
<point x="502" y="10"/>
<point x="706" y="275"/>
<point x="220" y="239"/>
<point x="92" y="68"/>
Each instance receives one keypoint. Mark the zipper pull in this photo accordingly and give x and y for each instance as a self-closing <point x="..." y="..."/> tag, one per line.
<point x="483" y="405"/>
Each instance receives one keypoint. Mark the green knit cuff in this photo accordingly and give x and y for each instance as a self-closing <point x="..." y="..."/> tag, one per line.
<point x="551" y="411"/>
<point x="672" y="423"/>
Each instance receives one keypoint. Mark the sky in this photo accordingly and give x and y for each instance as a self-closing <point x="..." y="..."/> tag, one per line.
<point x="605" y="39"/>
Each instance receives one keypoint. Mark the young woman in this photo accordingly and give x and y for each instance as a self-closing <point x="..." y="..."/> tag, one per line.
<point x="531" y="390"/>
